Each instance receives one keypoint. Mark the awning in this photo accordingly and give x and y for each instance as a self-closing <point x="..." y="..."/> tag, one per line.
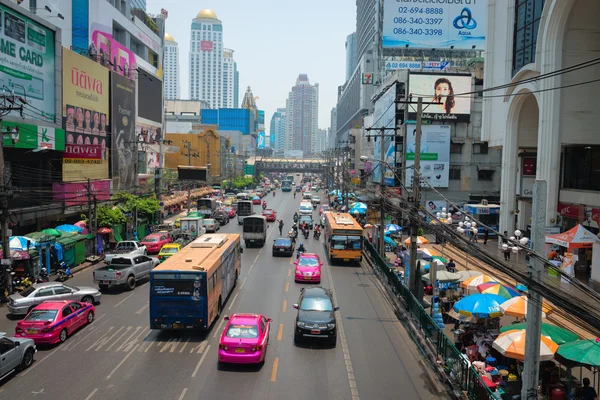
<point x="575" y="238"/>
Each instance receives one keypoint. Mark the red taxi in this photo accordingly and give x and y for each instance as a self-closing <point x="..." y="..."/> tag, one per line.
<point x="308" y="268"/>
<point x="155" y="241"/>
<point x="244" y="339"/>
<point x="230" y="211"/>
<point x="269" y="214"/>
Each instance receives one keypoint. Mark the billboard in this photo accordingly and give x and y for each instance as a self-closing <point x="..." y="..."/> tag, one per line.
<point x="112" y="54"/>
<point x="76" y="193"/>
<point x="27" y="136"/>
<point x="435" y="154"/>
<point x="260" y="143"/>
<point x="409" y="23"/>
<point x="420" y="65"/>
<point x="149" y="96"/>
<point x="86" y="115"/>
<point x="123" y="132"/>
<point x="442" y="91"/>
<point x="27" y="65"/>
<point x="384" y="116"/>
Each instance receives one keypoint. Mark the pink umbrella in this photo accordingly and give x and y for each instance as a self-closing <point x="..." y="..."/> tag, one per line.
<point x="82" y="225"/>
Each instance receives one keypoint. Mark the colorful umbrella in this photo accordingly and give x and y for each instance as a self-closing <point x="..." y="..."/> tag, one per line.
<point x="390" y="242"/>
<point x="522" y="288"/>
<point x="580" y="352"/>
<point x="442" y="259"/>
<point x="480" y="305"/>
<point x="392" y="228"/>
<point x="69" y="228"/>
<point x="497" y="288"/>
<point x="474" y="281"/>
<point x="468" y="274"/>
<point x="360" y="208"/>
<point x="512" y="345"/>
<point x="442" y="277"/>
<point x="104" y="231"/>
<point x="20" y="242"/>
<point x="52" y="232"/>
<point x="517" y="307"/>
<point x="420" y="240"/>
<point x="558" y="335"/>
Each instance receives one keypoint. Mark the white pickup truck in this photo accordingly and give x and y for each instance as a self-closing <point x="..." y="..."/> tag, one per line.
<point x="124" y="270"/>
<point x="126" y="248"/>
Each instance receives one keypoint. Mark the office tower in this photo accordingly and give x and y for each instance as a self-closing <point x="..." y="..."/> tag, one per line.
<point x="171" y="66"/>
<point x="229" y="81"/>
<point x="302" y="116"/>
<point x="351" y="59"/>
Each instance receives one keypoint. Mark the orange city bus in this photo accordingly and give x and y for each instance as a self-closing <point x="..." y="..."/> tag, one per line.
<point x="189" y="289"/>
<point x="343" y="237"/>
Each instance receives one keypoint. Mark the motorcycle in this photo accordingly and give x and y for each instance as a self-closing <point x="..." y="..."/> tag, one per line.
<point x="43" y="276"/>
<point x="292" y="234"/>
<point x="317" y="235"/>
<point x="314" y="206"/>
<point x="306" y="233"/>
<point x="273" y="193"/>
<point x="63" y="272"/>
<point x="264" y="205"/>
<point x="295" y="218"/>
<point x="299" y="253"/>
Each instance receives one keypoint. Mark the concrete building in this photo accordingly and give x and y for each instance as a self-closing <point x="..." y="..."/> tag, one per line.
<point x="198" y="149"/>
<point x="545" y="132"/>
<point x="302" y="116"/>
<point x="236" y="86"/>
<point x="277" y="130"/>
<point x="184" y="116"/>
<point x="332" y="128"/>
<point x="320" y="141"/>
<point x="229" y="80"/>
<point x="141" y="4"/>
<point x="206" y="59"/>
<point x="171" y="68"/>
<point x="350" y="54"/>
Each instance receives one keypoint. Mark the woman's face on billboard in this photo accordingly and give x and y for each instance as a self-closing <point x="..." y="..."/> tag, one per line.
<point x="442" y="89"/>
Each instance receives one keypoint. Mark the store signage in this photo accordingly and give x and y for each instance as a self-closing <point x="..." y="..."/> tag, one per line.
<point x="79" y="193"/>
<point x="84" y="151"/>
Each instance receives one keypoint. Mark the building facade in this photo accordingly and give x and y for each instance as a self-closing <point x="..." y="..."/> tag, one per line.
<point x="229" y="79"/>
<point x="206" y="59"/>
<point x="548" y="129"/>
<point x="302" y="116"/>
<point x="350" y="54"/>
<point x="171" y="68"/>
<point x="277" y="130"/>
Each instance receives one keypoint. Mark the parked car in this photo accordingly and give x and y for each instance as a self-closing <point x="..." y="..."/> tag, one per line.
<point x="155" y="241"/>
<point x="23" y="302"/>
<point x="126" y="247"/>
<point x="269" y="214"/>
<point x="308" y="268"/>
<point x="283" y="247"/>
<point x="244" y="339"/>
<point x="316" y="315"/>
<point x="211" y="225"/>
<point x="168" y="250"/>
<point x="15" y="354"/>
<point x="54" y="321"/>
<point x="125" y="270"/>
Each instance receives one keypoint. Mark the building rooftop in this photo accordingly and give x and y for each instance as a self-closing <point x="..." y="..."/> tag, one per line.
<point x="207" y="14"/>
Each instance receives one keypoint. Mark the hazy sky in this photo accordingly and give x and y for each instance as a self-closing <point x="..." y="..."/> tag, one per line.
<point x="274" y="41"/>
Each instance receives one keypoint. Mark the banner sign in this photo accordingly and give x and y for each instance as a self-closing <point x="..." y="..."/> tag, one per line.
<point x="77" y="193"/>
<point x="435" y="154"/>
<point x="425" y="66"/>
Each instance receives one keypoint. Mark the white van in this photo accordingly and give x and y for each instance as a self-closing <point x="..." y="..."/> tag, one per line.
<point x="243" y="196"/>
<point x="305" y="208"/>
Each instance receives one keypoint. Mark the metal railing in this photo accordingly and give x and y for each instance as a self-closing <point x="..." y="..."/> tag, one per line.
<point x="454" y="364"/>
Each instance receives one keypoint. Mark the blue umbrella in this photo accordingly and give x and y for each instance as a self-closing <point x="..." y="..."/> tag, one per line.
<point x="69" y="228"/>
<point x="20" y="242"/>
<point x="361" y="208"/>
<point x="480" y="306"/>
<point x="392" y="228"/>
<point x="522" y="287"/>
<point x="389" y="241"/>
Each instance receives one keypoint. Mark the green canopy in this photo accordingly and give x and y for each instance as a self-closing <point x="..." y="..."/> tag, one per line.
<point x="556" y="333"/>
<point x="580" y="352"/>
<point x="40" y="237"/>
<point x="52" y="232"/>
<point x="442" y="259"/>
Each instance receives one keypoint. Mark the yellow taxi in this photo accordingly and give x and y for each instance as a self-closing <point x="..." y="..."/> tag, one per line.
<point x="168" y="250"/>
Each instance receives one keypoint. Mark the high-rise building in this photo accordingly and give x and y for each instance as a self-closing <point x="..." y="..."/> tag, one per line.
<point x="236" y="86"/>
<point x="321" y="141"/>
<point x="171" y="67"/>
<point x="351" y="58"/>
<point x="229" y="69"/>
<point x="141" y="4"/>
<point x="366" y="26"/>
<point x="206" y="59"/>
<point x="302" y="115"/>
<point x="333" y="128"/>
<point x="277" y="130"/>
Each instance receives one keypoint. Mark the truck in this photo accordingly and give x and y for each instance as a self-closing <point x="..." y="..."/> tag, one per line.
<point x="192" y="224"/>
<point x="244" y="209"/>
<point x="126" y="248"/>
<point x="124" y="270"/>
<point x="255" y="230"/>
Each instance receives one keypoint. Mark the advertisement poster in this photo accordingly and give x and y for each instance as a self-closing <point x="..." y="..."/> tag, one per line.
<point x="27" y="136"/>
<point x="86" y="116"/>
<point x="149" y="89"/>
<point x="435" y="154"/>
<point x="112" y="54"/>
<point x="27" y="63"/>
<point x="443" y="92"/>
<point x="123" y="128"/>
<point x="76" y="193"/>
<point x="434" y="25"/>
<point x="260" y="144"/>
<point x="384" y="116"/>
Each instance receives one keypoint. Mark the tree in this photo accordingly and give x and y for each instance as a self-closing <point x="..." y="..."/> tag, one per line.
<point x="109" y="216"/>
<point x="145" y="206"/>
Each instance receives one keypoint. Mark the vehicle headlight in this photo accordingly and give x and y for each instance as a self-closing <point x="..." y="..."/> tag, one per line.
<point x="300" y="324"/>
<point x="331" y="326"/>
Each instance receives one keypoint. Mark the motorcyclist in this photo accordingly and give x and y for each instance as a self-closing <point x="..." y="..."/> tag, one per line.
<point x="317" y="232"/>
<point x="273" y="193"/>
<point x="264" y="204"/>
<point x="301" y="248"/>
<point x="296" y="217"/>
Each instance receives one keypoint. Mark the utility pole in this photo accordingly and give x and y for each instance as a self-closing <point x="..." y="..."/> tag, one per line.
<point x="535" y="268"/>
<point x="382" y="190"/>
<point x="188" y="145"/>
<point x="6" y="259"/>
<point x="92" y="216"/>
<point x="413" y="279"/>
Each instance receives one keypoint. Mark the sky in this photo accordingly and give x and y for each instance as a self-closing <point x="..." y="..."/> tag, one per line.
<point x="274" y="41"/>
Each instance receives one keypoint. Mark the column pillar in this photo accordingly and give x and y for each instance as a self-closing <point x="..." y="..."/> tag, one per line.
<point x="508" y="184"/>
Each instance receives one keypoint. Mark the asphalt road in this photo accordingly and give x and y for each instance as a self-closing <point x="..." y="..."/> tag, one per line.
<point x="118" y="357"/>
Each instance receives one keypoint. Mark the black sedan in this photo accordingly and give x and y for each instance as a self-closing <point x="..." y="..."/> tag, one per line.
<point x="306" y="218"/>
<point x="283" y="247"/>
<point x="316" y="316"/>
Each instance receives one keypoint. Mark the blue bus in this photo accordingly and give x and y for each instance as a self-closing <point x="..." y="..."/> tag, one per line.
<point x="189" y="289"/>
<point x="286" y="186"/>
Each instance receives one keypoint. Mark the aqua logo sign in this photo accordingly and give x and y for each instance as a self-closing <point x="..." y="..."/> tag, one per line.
<point x="465" y="20"/>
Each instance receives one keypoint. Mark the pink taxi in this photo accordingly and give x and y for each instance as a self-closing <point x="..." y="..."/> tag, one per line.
<point x="244" y="339"/>
<point x="308" y="268"/>
<point x="54" y="321"/>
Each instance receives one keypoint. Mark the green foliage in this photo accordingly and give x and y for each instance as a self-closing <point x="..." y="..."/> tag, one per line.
<point x="420" y="231"/>
<point x="145" y="206"/>
<point x="241" y="182"/>
<point x="109" y="216"/>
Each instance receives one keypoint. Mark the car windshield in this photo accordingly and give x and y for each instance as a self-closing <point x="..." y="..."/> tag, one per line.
<point x="316" y="304"/>
<point x="228" y="209"/>
<point x="282" y="242"/>
<point x="209" y="221"/>
<point x="41" y="315"/>
<point x="268" y="212"/>
<point x="169" y="250"/>
<point x="150" y="239"/>
<point x="308" y="262"/>
<point x="238" y="331"/>
<point x="305" y="208"/>
<point x="27" y="292"/>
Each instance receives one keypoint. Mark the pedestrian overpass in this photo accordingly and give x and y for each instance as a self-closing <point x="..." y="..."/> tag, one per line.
<point x="268" y="164"/>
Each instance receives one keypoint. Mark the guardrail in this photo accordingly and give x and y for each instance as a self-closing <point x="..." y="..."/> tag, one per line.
<point x="452" y="361"/>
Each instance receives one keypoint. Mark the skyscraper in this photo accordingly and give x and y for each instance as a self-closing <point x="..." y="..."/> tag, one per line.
<point x="277" y="130"/>
<point x="236" y="86"/>
<point x="229" y="81"/>
<point x="351" y="58"/>
<point x="366" y="26"/>
<point x="206" y="59"/>
<point x="302" y="116"/>
<point x="141" y="4"/>
<point x="171" y="65"/>
<point x="321" y="141"/>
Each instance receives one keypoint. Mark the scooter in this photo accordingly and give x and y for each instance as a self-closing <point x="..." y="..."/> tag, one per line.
<point x="43" y="276"/>
<point x="63" y="272"/>
<point x="300" y="252"/>
<point x="317" y="235"/>
<point x="292" y="234"/>
<point x="264" y="205"/>
<point x="306" y="233"/>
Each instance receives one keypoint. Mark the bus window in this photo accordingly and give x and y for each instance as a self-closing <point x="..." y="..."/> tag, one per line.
<point x="346" y="242"/>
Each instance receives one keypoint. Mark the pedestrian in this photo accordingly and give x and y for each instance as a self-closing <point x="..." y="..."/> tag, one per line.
<point x="486" y="235"/>
<point x="280" y="226"/>
<point x="588" y="392"/>
<point x="505" y="242"/>
<point x="451" y="267"/>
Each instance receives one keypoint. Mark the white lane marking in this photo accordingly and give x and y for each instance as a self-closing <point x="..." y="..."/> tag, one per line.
<point x="183" y="393"/>
<point x="91" y="394"/>
<point x="93" y="329"/>
<point x="122" y="361"/>
<point x="122" y="301"/>
<point x="218" y="328"/>
<point x="200" y="362"/>
<point x="250" y="270"/>
<point x="28" y="370"/>
<point x="243" y="283"/>
<point x="254" y="262"/>
<point x="343" y="341"/>
<point x="233" y="301"/>
<point x="184" y="345"/>
<point x="103" y="339"/>
<point x="141" y="310"/>
<point x="117" y="340"/>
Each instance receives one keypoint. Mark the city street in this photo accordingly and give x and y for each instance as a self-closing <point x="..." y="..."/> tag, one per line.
<point x="118" y="357"/>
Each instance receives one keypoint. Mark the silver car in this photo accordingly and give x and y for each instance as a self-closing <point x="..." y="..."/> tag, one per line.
<point x="15" y="353"/>
<point x="211" y="225"/>
<point x="21" y="303"/>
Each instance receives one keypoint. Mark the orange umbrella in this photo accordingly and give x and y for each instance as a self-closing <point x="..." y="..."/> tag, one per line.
<point x="472" y="282"/>
<point x="512" y="345"/>
<point x="420" y="240"/>
<point x="517" y="307"/>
